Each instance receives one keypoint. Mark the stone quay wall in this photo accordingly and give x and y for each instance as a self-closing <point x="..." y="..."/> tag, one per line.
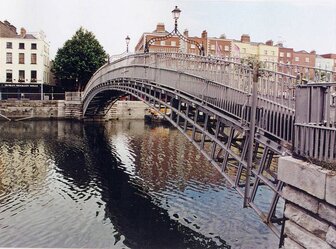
<point x="127" y="110"/>
<point x="65" y="109"/>
<point x="310" y="209"/>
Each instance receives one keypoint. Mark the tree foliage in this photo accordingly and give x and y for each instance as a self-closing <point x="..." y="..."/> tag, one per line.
<point x="78" y="59"/>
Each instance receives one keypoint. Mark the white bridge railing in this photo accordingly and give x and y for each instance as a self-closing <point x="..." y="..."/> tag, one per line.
<point x="223" y="83"/>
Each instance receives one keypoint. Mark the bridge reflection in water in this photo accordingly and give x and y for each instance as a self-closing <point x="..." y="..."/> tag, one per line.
<point x="67" y="184"/>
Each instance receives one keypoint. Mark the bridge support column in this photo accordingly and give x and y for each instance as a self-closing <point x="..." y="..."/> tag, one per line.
<point x="174" y="104"/>
<point x="247" y="194"/>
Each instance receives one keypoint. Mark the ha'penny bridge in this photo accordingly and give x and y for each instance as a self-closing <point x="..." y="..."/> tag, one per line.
<point x="241" y="118"/>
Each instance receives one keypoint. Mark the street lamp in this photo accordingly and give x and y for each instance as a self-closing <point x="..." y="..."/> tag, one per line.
<point x="176" y="14"/>
<point x="127" y="39"/>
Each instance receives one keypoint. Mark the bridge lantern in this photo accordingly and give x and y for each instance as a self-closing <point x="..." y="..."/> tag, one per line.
<point x="176" y="13"/>
<point x="127" y="39"/>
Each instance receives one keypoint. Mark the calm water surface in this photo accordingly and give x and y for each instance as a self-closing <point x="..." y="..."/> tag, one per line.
<point x="116" y="185"/>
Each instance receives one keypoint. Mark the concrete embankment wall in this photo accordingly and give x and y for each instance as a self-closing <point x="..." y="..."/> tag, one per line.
<point x="25" y="109"/>
<point x="60" y="109"/>
<point x="127" y="110"/>
<point x="310" y="209"/>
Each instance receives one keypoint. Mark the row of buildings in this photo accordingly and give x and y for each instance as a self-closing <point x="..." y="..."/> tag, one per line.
<point x="243" y="48"/>
<point x="25" y="61"/>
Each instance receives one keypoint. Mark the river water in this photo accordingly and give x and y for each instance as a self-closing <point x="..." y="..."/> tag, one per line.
<point x="116" y="185"/>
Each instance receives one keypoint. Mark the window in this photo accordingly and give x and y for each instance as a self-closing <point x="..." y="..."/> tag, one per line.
<point x="288" y="54"/>
<point x="226" y="48"/>
<point x="33" y="46"/>
<point x="273" y="53"/>
<point x="33" y="76"/>
<point x="33" y="59"/>
<point x="307" y="59"/>
<point x="162" y="43"/>
<point x="281" y="54"/>
<point x="9" y="59"/>
<point x="212" y="47"/>
<point x="9" y="75"/>
<point x="265" y="52"/>
<point x="192" y="46"/>
<point x="9" y="45"/>
<point x="21" y="58"/>
<point x="296" y="58"/>
<point x="21" y="76"/>
<point x="21" y="45"/>
<point x="173" y="43"/>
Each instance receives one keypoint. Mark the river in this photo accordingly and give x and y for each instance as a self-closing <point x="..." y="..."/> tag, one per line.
<point x="120" y="184"/>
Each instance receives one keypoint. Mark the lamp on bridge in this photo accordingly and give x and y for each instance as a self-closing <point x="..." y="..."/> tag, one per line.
<point x="176" y="14"/>
<point x="127" y="39"/>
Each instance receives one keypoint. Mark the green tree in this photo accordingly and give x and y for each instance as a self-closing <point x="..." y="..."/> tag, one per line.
<point x="77" y="60"/>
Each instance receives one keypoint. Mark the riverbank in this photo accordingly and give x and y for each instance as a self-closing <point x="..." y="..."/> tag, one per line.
<point x="17" y="110"/>
<point x="310" y="209"/>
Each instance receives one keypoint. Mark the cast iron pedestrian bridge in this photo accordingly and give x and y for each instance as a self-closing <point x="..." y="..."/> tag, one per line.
<point x="241" y="118"/>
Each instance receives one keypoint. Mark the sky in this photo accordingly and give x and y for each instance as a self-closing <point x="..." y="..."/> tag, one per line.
<point x="299" y="24"/>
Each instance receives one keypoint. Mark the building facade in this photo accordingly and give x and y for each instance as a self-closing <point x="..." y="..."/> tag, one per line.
<point x="172" y="44"/>
<point x="303" y="58"/>
<point x="333" y="57"/>
<point x="324" y="63"/>
<point x="24" y="59"/>
<point x="246" y="48"/>
<point x="285" y="55"/>
<point x="218" y="47"/>
<point x="274" y="57"/>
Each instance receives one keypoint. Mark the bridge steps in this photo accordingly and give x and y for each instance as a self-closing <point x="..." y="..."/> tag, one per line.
<point x="73" y="109"/>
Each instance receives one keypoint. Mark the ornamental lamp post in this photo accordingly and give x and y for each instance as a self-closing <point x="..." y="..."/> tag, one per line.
<point x="176" y="14"/>
<point x="127" y="39"/>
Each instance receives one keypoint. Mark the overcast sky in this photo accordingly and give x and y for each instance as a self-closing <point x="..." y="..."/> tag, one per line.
<point x="300" y="24"/>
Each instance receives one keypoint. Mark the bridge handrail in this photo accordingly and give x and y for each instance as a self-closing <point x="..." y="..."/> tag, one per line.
<point x="130" y="59"/>
<point x="276" y="90"/>
<point x="235" y="77"/>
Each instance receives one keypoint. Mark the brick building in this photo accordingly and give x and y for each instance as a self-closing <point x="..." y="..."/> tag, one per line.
<point x="170" y="45"/>
<point x="219" y="47"/>
<point x="304" y="59"/>
<point x="285" y="55"/>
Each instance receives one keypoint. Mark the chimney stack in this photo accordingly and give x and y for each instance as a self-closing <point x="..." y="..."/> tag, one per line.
<point x="23" y="32"/>
<point x="186" y="33"/>
<point x="245" y="38"/>
<point x="160" y="28"/>
<point x="269" y="43"/>
<point x="204" y="34"/>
